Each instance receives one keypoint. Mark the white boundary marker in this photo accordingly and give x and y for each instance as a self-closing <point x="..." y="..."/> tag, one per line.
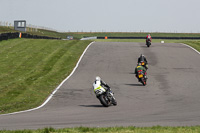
<point x="51" y="95"/>
<point x="191" y="48"/>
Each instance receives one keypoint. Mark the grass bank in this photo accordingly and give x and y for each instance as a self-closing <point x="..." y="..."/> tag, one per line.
<point x="155" y="129"/>
<point x="4" y="29"/>
<point x="195" y="44"/>
<point x="31" y="69"/>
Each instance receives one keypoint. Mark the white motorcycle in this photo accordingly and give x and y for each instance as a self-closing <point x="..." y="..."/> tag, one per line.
<point x="106" y="98"/>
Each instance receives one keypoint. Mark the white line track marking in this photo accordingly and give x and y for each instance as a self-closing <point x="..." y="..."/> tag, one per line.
<point x="49" y="98"/>
<point x="191" y="47"/>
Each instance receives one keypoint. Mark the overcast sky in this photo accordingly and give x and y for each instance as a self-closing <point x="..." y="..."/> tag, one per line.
<point x="106" y="15"/>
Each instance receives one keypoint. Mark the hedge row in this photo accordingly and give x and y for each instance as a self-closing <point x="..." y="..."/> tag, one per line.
<point x="6" y="36"/>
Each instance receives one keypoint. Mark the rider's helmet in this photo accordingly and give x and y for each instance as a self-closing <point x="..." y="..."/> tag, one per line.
<point x="148" y="36"/>
<point x="98" y="78"/>
<point x="142" y="57"/>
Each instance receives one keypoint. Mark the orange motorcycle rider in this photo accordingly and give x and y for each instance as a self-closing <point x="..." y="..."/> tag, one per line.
<point x="140" y="68"/>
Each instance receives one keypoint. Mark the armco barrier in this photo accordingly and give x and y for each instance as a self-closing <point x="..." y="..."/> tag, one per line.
<point x="177" y="38"/>
<point x="25" y="35"/>
<point x="6" y="36"/>
<point x="194" y="38"/>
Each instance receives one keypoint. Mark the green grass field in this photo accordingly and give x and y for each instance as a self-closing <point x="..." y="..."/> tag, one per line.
<point x="155" y="129"/>
<point x="4" y="29"/>
<point x="31" y="69"/>
<point x="195" y="44"/>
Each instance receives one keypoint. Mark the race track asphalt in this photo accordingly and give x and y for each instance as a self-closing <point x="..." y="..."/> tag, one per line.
<point x="171" y="97"/>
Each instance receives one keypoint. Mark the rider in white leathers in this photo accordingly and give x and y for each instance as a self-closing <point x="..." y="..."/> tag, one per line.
<point x="98" y="82"/>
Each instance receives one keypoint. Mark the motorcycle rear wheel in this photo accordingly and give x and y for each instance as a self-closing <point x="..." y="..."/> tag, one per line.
<point x="143" y="81"/>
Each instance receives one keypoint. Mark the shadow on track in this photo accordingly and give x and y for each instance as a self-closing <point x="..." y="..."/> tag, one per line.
<point x="97" y="106"/>
<point x="134" y="84"/>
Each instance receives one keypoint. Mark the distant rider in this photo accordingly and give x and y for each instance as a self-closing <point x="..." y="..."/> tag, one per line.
<point x="142" y="58"/>
<point x="148" y="37"/>
<point x="140" y="68"/>
<point x="100" y="83"/>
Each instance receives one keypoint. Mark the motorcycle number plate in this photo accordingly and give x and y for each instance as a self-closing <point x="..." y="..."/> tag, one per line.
<point x="140" y="76"/>
<point x="99" y="91"/>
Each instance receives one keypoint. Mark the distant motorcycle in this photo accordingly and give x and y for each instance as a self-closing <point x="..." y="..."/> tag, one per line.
<point x="106" y="98"/>
<point x="148" y="42"/>
<point x="142" y="77"/>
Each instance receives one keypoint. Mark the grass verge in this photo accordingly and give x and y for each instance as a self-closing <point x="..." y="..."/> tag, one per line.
<point x="195" y="44"/>
<point x="31" y="69"/>
<point x="155" y="129"/>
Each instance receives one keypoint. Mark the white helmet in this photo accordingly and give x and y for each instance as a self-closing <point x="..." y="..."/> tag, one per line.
<point x="98" y="78"/>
